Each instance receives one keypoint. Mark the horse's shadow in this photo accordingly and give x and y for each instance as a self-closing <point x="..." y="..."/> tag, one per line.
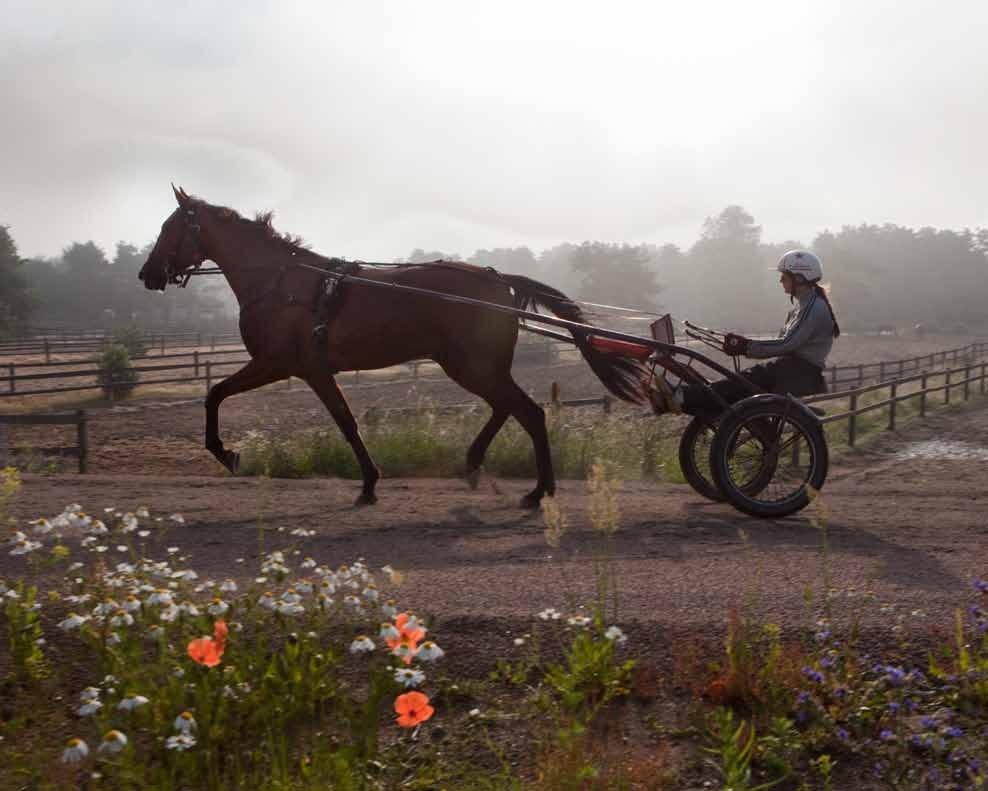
<point x="467" y="535"/>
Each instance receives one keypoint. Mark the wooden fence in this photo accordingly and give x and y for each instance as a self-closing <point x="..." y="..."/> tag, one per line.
<point x="949" y="385"/>
<point x="77" y="419"/>
<point x="201" y="367"/>
<point x="96" y="343"/>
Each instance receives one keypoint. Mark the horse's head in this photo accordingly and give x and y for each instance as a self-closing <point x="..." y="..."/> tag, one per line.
<point x="177" y="249"/>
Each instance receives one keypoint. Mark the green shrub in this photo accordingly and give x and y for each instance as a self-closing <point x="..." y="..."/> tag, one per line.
<point x="116" y="376"/>
<point x="131" y="338"/>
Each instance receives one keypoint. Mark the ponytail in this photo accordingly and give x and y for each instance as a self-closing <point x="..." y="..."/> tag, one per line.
<point x="822" y="292"/>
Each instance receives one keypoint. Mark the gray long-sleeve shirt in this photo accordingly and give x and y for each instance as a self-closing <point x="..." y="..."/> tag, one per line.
<point x="808" y="333"/>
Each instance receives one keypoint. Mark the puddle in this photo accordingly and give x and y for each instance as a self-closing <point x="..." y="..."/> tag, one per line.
<point x="943" y="449"/>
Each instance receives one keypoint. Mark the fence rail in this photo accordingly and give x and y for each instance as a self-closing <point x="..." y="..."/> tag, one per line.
<point x="895" y="397"/>
<point x="201" y="368"/>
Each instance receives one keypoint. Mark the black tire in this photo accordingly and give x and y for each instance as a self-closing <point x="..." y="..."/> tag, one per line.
<point x="694" y="458"/>
<point x="759" y="478"/>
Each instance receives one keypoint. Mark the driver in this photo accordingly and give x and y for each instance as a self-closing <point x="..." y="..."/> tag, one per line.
<point x="800" y="352"/>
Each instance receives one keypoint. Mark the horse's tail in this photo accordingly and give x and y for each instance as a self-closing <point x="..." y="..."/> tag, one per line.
<point x="623" y="376"/>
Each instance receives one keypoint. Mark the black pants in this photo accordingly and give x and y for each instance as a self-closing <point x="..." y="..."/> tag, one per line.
<point x="783" y="375"/>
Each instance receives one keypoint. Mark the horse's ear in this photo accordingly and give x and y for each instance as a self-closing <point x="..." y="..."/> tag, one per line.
<point x="180" y="196"/>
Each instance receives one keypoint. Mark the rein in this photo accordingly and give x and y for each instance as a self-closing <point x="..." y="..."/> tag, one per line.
<point x="343" y="262"/>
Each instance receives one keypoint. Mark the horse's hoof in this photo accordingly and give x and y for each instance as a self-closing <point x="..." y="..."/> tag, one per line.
<point x="365" y="499"/>
<point x="232" y="461"/>
<point x="473" y="478"/>
<point x="531" y="501"/>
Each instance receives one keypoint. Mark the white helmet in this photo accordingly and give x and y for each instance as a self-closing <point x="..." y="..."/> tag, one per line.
<point x="801" y="262"/>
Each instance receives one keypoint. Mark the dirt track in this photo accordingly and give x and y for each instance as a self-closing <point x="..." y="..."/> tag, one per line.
<point x="913" y="531"/>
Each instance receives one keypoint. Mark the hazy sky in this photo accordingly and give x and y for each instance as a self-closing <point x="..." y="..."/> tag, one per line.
<point x="373" y="128"/>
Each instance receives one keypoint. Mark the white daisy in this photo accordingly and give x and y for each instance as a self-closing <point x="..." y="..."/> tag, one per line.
<point x="113" y="742"/>
<point x="430" y="652"/>
<point x="74" y="621"/>
<point x="549" y="614"/>
<point x="89" y="707"/>
<point x="361" y="645"/>
<point x="122" y="618"/>
<point x="389" y="631"/>
<point x="131" y="702"/>
<point x="614" y="633"/>
<point x="228" y="586"/>
<point x="217" y="606"/>
<point x="409" y="677"/>
<point x="75" y="751"/>
<point x="185" y="722"/>
<point x="181" y="742"/>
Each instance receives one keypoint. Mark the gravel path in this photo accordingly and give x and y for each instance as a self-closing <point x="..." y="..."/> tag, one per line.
<point x="912" y="530"/>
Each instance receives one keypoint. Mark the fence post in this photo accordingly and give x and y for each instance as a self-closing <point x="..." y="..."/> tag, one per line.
<point x="902" y="364"/>
<point x="195" y="362"/>
<point x="209" y="375"/>
<point x="199" y="338"/>
<point x="892" y="403"/>
<point x="833" y="378"/>
<point x="922" y="396"/>
<point x="860" y="375"/>
<point x="967" y="382"/>
<point x="881" y="371"/>
<point x="82" y="439"/>
<point x="212" y="346"/>
<point x="47" y="351"/>
<point x="982" y="383"/>
<point x="13" y="386"/>
<point x="852" y="420"/>
<point x="162" y="344"/>
<point x="946" y="389"/>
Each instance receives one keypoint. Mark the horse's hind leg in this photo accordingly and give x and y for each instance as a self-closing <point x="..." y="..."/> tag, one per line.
<point x="506" y="398"/>
<point x="478" y="448"/>
<point x="532" y="419"/>
<point x="253" y="375"/>
<point x="324" y="386"/>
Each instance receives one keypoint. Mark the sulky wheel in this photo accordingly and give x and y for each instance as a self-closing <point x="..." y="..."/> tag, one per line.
<point x="767" y="451"/>
<point x="694" y="457"/>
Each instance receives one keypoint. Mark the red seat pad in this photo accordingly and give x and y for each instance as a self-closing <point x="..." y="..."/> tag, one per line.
<point x="624" y="348"/>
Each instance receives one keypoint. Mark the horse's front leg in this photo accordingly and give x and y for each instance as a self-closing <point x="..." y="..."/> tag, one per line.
<point x="332" y="397"/>
<point x="253" y="375"/>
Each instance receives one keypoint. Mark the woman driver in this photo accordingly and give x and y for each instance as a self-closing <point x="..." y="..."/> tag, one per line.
<point x="800" y="351"/>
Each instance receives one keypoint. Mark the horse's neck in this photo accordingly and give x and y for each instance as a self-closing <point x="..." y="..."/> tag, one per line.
<point x="249" y="267"/>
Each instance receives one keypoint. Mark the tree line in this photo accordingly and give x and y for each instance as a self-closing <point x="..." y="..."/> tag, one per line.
<point x="881" y="275"/>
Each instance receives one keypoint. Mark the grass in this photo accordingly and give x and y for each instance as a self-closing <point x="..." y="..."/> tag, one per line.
<point x="429" y="445"/>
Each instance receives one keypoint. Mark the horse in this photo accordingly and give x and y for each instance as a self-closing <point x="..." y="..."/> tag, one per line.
<point x="279" y="284"/>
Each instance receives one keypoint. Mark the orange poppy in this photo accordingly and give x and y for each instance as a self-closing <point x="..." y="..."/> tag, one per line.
<point x="220" y="631"/>
<point x="206" y="651"/>
<point x="407" y="638"/>
<point x="413" y="708"/>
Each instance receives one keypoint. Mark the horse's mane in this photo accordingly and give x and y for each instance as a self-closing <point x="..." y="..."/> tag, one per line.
<point x="262" y="223"/>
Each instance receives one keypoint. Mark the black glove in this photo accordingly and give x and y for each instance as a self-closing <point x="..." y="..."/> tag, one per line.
<point x="735" y="345"/>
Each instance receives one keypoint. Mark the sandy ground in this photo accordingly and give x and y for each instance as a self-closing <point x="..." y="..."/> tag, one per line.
<point x="911" y="529"/>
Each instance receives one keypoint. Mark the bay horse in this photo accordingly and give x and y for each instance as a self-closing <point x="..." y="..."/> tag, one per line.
<point x="272" y="276"/>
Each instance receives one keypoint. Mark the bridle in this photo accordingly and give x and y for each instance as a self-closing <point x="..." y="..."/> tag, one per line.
<point x="192" y="229"/>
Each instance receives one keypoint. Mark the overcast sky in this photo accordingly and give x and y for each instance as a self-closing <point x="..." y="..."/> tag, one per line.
<point x="373" y="128"/>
